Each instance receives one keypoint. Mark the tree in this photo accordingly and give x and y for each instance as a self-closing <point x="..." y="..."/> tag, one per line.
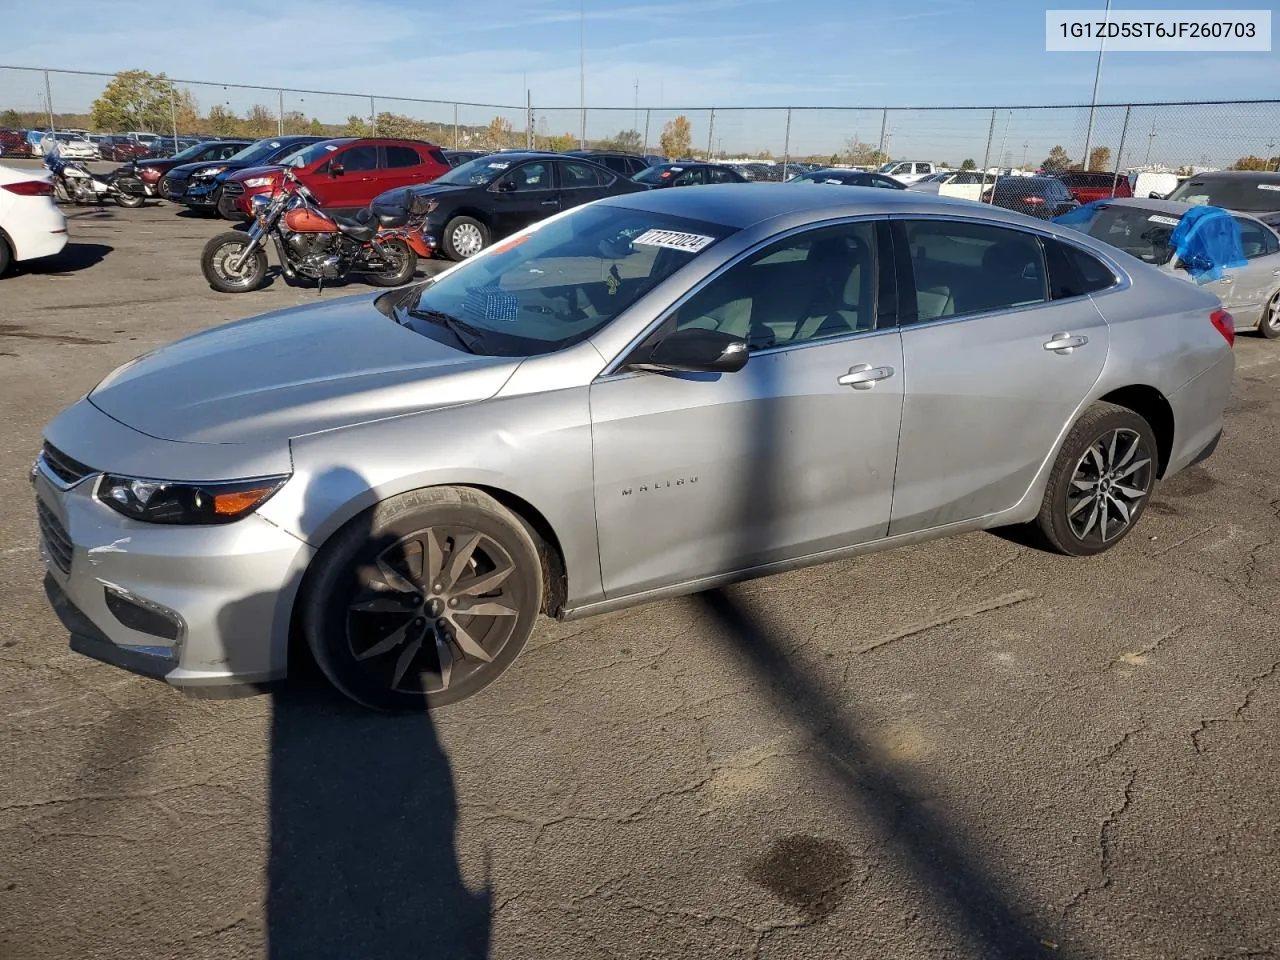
<point x="357" y="127"/>
<point x="497" y="134"/>
<point x="260" y="121"/>
<point x="625" y="141"/>
<point x="677" y="137"/>
<point x="1100" y="159"/>
<point x="864" y="154"/>
<point x="560" y="142"/>
<point x="1250" y="163"/>
<point x="1057" y="159"/>
<point x="138" y="100"/>
<point x="968" y="164"/>
<point x="10" y="118"/>
<point x="221" y="122"/>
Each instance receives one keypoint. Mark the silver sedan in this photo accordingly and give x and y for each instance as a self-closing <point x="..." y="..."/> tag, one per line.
<point x="646" y="396"/>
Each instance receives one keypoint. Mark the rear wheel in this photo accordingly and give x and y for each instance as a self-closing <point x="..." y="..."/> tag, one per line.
<point x="464" y="237"/>
<point x="1270" y="326"/>
<point x="402" y="264"/>
<point x="217" y="262"/>
<point x="130" y="201"/>
<point x="423" y="600"/>
<point x="1100" y="482"/>
<point x="6" y="258"/>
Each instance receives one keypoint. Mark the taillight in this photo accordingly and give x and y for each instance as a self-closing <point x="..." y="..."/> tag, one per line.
<point x="30" y="188"/>
<point x="1225" y="324"/>
<point x="1034" y="201"/>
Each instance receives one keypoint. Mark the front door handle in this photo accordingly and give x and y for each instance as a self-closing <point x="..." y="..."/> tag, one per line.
<point x="550" y="203"/>
<point x="1228" y="279"/>
<point x="864" y="376"/>
<point x="1065" y="343"/>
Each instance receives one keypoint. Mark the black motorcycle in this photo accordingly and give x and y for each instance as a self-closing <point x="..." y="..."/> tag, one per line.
<point x="73" y="182"/>
<point x="384" y="245"/>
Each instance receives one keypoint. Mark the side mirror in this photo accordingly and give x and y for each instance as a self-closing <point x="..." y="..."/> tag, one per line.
<point x="695" y="351"/>
<point x="336" y="169"/>
<point x="506" y="186"/>
<point x="1155" y="196"/>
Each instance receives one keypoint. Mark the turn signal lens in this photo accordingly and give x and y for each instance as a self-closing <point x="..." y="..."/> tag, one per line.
<point x="240" y="502"/>
<point x="1225" y="324"/>
<point x="155" y="501"/>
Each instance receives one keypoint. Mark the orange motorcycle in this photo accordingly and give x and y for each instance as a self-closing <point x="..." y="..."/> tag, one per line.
<point x="383" y="245"/>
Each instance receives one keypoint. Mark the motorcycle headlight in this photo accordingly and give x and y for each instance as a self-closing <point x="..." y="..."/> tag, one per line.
<point x="208" y="171"/>
<point x="258" y="182"/>
<point x="157" y="501"/>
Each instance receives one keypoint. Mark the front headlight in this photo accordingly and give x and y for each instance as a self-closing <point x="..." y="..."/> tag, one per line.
<point x="157" y="501"/>
<point x="258" y="182"/>
<point x="208" y="171"/>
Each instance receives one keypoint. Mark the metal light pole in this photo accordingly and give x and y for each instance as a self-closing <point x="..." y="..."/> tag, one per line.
<point x="48" y="99"/>
<point x="582" y="74"/>
<point x="1150" y="136"/>
<point x="1124" y="133"/>
<point x="1093" y="103"/>
<point x="173" y="114"/>
<point x="280" y="117"/>
<point x="711" y="129"/>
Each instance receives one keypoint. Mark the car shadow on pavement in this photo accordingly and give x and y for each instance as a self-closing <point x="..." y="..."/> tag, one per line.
<point x="73" y="258"/>
<point x="362" y="815"/>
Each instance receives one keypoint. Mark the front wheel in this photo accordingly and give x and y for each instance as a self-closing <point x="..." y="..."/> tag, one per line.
<point x="1100" y="482"/>
<point x="217" y="262"/>
<point x="464" y="237"/>
<point x="1270" y="325"/>
<point x="402" y="264"/>
<point x="423" y="600"/>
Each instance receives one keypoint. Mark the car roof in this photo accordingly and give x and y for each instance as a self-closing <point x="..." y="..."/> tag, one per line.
<point x="742" y="204"/>
<point x="1271" y="177"/>
<point x="1175" y="208"/>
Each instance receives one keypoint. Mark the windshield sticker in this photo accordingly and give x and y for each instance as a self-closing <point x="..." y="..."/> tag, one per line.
<point x="676" y="170"/>
<point x="329" y="148"/>
<point x="1170" y="221"/>
<point x="833" y="180"/>
<point x="490" y="303"/>
<point x="673" y="240"/>
<point x="1269" y="186"/>
<point x="499" y="166"/>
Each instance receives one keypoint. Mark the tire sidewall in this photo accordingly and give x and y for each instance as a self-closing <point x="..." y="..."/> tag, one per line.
<point x="130" y="202"/>
<point x="334" y="579"/>
<point x="405" y="273"/>
<point x="216" y="282"/>
<point x="1079" y="441"/>
<point x="1270" y="325"/>
<point x="450" y="250"/>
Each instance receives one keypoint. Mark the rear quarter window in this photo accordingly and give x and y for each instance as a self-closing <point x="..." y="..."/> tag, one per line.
<point x="1074" y="272"/>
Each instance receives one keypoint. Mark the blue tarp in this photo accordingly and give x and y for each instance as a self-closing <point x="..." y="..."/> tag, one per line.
<point x="1207" y="240"/>
<point x="1080" y="215"/>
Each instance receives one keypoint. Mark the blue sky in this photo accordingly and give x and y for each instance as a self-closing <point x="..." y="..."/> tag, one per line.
<point x="682" y="52"/>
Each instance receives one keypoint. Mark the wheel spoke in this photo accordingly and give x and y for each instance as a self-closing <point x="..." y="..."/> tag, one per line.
<point x="486" y="582"/>
<point x="445" y="656"/>
<point x="1103" y="512"/>
<point x="1121" y="507"/>
<point x="1083" y="484"/>
<point x="1133" y="493"/>
<point x="1097" y="460"/>
<point x="469" y="645"/>
<point x="1133" y="468"/>
<point x="387" y="643"/>
<point x="406" y="658"/>
<point x="1093" y="518"/>
<point x="460" y="557"/>
<point x="1133" y="448"/>
<point x="1111" y="448"/>
<point x="392" y="577"/>
<point x="488" y="608"/>
<point x="384" y="603"/>
<point x="433" y="558"/>
<point x="1082" y="503"/>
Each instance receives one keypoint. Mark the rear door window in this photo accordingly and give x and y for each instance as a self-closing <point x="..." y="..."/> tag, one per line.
<point x="402" y="157"/>
<point x="358" y="159"/>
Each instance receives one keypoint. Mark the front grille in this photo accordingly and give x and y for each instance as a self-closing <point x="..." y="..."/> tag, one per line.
<point x="232" y="189"/>
<point x="56" y="540"/>
<point x="170" y="185"/>
<point x="67" y="469"/>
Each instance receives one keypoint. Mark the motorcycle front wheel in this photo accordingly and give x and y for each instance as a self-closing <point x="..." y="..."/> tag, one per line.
<point x="218" y="259"/>
<point x="402" y="264"/>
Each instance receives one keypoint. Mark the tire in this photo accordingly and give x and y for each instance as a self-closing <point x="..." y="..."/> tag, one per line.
<point x="408" y="265"/>
<point x="216" y="258"/>
<point x="381" y="629"/>
<point x="6" y="256"/>
<point x="1114" y="451"/>
<point x="460" y="235"/>
<point x="1270" y="325"/>
<point x="129" y="201"/>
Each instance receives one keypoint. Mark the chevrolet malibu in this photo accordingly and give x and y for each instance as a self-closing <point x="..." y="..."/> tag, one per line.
<point x="645" y="396"/>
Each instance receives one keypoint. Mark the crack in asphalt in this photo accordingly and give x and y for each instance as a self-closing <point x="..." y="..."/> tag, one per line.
<point x="1106" y="837"/>
<point x="964" y="613"/>
<point x="1110" y="753"/>
<point x="1237" y="715"/>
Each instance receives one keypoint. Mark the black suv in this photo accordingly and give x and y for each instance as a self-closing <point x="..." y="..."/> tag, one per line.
<point x="624" y="164"/>
<point x="1041" y="197"/>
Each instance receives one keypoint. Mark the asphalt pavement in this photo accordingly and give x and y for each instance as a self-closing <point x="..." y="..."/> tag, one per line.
<point x="967" y="749"/>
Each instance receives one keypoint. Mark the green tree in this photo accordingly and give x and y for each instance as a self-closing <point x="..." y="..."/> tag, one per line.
<point x="357" y="127"/>
<point x="1250" y="163"/>
<point x="677" y="137"/>
<point x="317" y="128"/>
<point x="1057" y="159"/>
<point x="559" y="142"/>
<point x="138" y="100"/>
<point x="260" y="121"/>
<point x="221" y="122"/>
<point x="497" y="134"/>
<point x="864" y="154"/>
<point x="10" y="118"/>
<point x="625" y="141"/>
<point x="968" y="164"/>
<point x="1100" y="159"/>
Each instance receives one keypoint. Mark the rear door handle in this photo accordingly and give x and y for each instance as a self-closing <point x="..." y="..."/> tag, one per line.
<point x="864" y="376"/>
<point x="1064" y="343"/>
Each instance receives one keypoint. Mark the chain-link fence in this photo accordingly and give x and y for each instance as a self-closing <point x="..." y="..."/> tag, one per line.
<point x="1174" y="137"/>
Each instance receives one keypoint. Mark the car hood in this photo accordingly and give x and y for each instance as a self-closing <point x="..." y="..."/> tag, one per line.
<point x="246" y="172"/>
<point x="294" y="372"/>
<point x="187" y="169"/>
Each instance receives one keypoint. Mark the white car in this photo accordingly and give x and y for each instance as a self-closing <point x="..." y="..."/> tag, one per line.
<point x="908" y="171"/>
<point x="31" y="225"/>
<point x="71" y="146"/>
<point x="963" y="184"/>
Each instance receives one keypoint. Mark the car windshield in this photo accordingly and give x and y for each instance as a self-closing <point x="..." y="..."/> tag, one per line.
<point x="560" y="283"/>
<point x="1138" y="231"/>
<point x="257" y="152"/>
<point x="1245" y="193"/>
<point x="656" y="174"/>
<point x="305" y="156"/>
<point x="475" y="173"/>
<point x="192" y="152"/>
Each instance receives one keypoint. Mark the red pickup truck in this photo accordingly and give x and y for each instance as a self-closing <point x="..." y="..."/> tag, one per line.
<point x="344" y="174"/>
<point x="1087" y="187"/>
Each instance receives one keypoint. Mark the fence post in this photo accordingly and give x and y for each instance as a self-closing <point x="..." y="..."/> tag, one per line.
<point x="884" y="125"/>
<point x="373" y="117"/>
<point x="173" y="113"/>
<point x="711" y="129"/>
<point x="986" y="157"/>
<point x="786" y="145"/>
<point x="528" y="119"/>
<point x="48" y="99"/>
<point x="280" y="116"/>
<point x="1124" y="132"/>
<point x="646" y="130"/>
<point x="455" y="126"/>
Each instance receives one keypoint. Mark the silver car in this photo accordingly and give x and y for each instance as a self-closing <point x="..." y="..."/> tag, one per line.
<point x="1143" y="228"/>
<point x="649" y="395"/>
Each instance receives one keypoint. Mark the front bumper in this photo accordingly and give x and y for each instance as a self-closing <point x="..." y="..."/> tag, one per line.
<point x="173" y="190"/>
<point x="194" y="606"/>
<point x="202" y="193"/>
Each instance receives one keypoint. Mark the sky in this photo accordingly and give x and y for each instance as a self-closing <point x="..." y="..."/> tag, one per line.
<point x="680" y="53"/>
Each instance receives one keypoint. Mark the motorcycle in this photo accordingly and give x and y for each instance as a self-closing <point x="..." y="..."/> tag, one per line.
<point x="74" y="182"/>
<point x="384" y="245"/>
